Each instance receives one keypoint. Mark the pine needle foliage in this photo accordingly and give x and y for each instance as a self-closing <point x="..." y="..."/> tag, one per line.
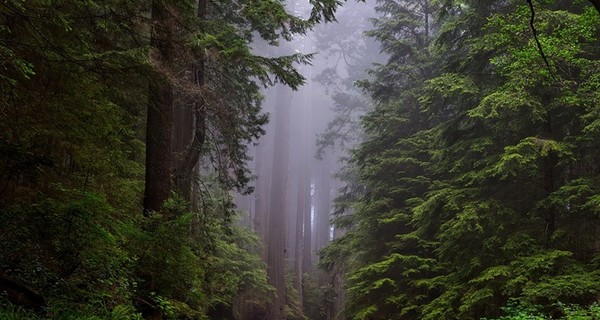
<point x="478" y="171"/>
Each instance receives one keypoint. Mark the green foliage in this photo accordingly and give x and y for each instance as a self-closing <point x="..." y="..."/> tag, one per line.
<point x="236" y="41"/>
<point x="69" y="247"/>
<point x="187" y="275"/>
<point x="237" y="268"/>
<point x="318" y="300"/>
<point x="474" y="180"/>
<point x="293" y="308"/>
<point x="73" y="97"/>
<point x="10" y="311"/>
<point x="516" y="311"/>
<point x="69" y="169"/>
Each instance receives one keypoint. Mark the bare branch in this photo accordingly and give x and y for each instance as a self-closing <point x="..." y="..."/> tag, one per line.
<point x="537" y="40"/>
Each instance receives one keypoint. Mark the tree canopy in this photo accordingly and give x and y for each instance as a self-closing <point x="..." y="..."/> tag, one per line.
<point x="478" y="171"/>
<point x="471" y="161"/>
<point x="80" y="82"/>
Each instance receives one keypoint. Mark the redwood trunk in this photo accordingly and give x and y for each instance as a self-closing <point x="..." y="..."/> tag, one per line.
<point x="159" y="117"/>
<point x="276" y="229"/>
<point x="301" y="212"/>
<point x="324" y="203"/>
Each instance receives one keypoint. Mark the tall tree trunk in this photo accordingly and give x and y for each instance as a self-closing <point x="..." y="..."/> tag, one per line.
<point x="262" y="191"/>
<point x="291" y="208"/>
<point x="426" y="14"/>
<point x="191" y="161"/>
<point x="324" y="207"/>
<point x="324" y="202"/>
<point x="276" y="229"/>
<point x="307" y="232"/>
<point x="307" y="153"/>
<point x="183" y="128"/>
<point x="304" y="155"/>
<point x="299" y="243"/>
<point x="160" y="115"/>
<point x="191" y="124"/>
<point x="302" y="210"/>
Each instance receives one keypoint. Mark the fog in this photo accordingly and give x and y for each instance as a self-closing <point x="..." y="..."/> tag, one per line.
<point x="310" y="132"/>
<point x="455" y="178"/>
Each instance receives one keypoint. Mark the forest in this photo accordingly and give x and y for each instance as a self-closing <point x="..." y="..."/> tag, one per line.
<point x="299" y="160"/>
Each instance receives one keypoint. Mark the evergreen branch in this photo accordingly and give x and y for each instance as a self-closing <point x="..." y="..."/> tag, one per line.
<point x="596" y="4"/>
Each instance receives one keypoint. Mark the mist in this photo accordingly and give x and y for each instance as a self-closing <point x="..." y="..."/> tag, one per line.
<point x="307" y="141"/>
<point x="304" y="160"/>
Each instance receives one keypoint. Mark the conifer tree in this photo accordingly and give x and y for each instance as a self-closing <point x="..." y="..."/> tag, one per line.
<point x="77" y="81"/>
<point x="472" y="167"/>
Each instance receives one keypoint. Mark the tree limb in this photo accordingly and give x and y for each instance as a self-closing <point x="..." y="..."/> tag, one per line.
<point x="537" y="40"/>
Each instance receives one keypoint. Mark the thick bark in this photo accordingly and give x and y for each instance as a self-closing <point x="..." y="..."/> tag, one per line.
<point x="324" y="203"/>
<point x="158" y="145"/>
<point x="307" y="232"/>
<point x="303" y="205"/>
<point x="301" y="212"/>
<point x="184" y="171"/>
<point x="199" y="115"/>
<point x="191" y="125"/>
<point x="160" y="116"/>
<point x="291" y="208"/>
<point x="262" y="191"/>
<point x="426" y="14"/>
<point x="276" y="222"/>
<point x="183" y="128"/>
<point x="323" y="208"/>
